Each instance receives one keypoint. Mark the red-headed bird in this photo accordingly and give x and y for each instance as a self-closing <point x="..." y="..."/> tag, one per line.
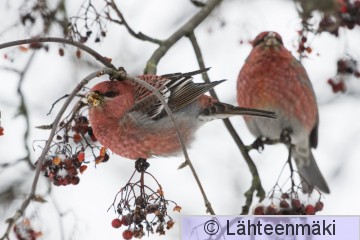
<point x="130" y="120"/>
<point x="272" y="79"/>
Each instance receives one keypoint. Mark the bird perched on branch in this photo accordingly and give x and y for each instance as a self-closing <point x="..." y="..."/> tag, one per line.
<point x="272" y="79"/>
<point x="130" y="120"/>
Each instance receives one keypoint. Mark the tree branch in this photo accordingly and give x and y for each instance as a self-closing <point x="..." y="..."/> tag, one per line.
<point x="186" y="29"/>
<point x="256" y="182"/>
<point x="24" y="111"/>
<point x="81" y="46"/>
<point x="122" y="21"/>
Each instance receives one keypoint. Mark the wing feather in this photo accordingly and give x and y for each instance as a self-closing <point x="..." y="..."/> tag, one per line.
<point x="178" y="90"/>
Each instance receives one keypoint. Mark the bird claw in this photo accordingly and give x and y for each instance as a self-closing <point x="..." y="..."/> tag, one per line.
<point x="285" y="136"/>
<point x="141" y="165"/>
<point x="258" y="144"/>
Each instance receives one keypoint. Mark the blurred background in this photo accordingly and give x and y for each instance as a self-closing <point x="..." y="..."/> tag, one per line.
<point x="80" y="211"/>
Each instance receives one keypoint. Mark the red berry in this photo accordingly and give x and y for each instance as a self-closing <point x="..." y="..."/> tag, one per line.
<point x="343" y="9"/>
<point x="116" y="223"/>
<point x="75" y="180"/>
<point x="127" y="234"/>
<point x="78" y="53"/>
<point x="337" y="86"/>
<point x="36" y="45"/>
<point x="1" y="131"/>
<point x="285" y="195"/>
<point x="271" y="210"/>
<point x="66" y="180"/>
<point x="77" y="138"/>
<point x="61" y="52"/>
<point x="81" y="156"/>
<point x="83" y="168"/>
<point x="72" y="171"/>
<point x="127" y="220"/>
<point x="284" y="204"/>
<point x="303" y="39"/>
<point x="67" y="163"/>
<point x="310" y="209"/>
<point x="319" y="206"/>
<point x="58" y="181"/>
<point x="295" y="203"/>
<point x="259" y="210"/>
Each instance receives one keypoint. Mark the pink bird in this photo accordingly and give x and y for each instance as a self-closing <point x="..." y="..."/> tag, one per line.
<point x="272" y="79"/>
<point x="131" y="121"/>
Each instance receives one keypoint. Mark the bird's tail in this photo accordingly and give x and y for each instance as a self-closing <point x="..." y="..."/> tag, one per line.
<point x="310" y="173"/>
<point x="223" y="110"/>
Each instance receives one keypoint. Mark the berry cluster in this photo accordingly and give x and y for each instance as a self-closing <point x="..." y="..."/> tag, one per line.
<point x="142" y="213"/>
<point x="63" y="169"/>
<point x="67" y="155"/>
<point x="345" y="67"/>
<point x="24" y="231"/>
<point x="302" y="47"/>
<point x="350" y="13"/>
<point x="347" y="15"/>
<point x="289" y="206"/>
<point x="81" y="127"/>
<point x="80" y="27"/>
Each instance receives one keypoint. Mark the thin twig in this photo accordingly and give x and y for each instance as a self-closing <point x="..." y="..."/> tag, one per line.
<point x="186" y="29"/>
<point x="122" y="21"/>
<point x="58" y="100"/>
<point x="11" y="221"/>
<point x="81" y="46"/>
<point x="256" y="181"/>
<point x="23" y="110"/>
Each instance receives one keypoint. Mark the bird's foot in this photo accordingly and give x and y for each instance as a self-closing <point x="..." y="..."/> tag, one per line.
<point x="258" y="144"/>
<point x="141" y="165"/>
<point x="285" y="136"/>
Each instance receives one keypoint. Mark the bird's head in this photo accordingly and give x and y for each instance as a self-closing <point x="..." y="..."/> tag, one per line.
<point x="111" y="97"/>
<point x="268" y="40"/>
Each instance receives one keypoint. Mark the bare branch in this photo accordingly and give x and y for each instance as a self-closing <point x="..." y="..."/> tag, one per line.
<point x="256" y="182"/>
<point x="23" y="110"/>
<point x="122" y="21"/>
<point x="105" y="61"/>
<point x="186" y="29"/>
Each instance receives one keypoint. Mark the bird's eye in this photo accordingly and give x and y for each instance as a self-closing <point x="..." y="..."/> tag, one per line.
<point x="111" y="94"/>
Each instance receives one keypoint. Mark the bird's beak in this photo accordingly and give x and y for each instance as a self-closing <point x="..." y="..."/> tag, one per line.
<point x="270" y="40"/>
<point x="94" y="99"/>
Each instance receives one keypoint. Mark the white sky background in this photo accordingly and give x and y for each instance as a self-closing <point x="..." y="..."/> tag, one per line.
<point x="220" y="165"/>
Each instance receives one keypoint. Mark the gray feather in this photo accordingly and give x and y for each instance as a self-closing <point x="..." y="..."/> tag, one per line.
<point x="310" y="173"/>
<point x="223" y="110"/>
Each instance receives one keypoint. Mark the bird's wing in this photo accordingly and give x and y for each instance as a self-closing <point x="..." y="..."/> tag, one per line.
<point x="303" y="77"/>
<point x="178" y="90"/>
